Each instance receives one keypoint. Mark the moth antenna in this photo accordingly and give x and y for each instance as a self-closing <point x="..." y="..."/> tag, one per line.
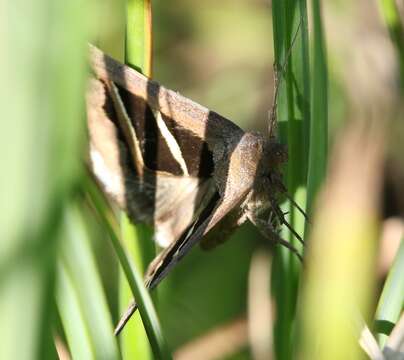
<point x="272" y="112"/>
<point x="125" y="318"/>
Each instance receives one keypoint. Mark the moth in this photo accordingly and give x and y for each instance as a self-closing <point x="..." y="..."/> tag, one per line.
<point x="178" y="166"/>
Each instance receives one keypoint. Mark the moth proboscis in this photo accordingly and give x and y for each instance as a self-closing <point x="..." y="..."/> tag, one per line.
<point x="172" y="163"/>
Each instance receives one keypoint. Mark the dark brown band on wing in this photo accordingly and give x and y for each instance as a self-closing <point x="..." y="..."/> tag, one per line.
<point x="156" y="152"/>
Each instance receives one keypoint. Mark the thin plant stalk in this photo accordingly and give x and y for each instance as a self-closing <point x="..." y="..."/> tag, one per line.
<point x="137" y="239"/>
<point x="291" y="54"/>
<point x="390" y="303"/>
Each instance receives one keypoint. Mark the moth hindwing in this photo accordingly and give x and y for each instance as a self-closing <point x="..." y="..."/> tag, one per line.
<point x="174" y="164"/>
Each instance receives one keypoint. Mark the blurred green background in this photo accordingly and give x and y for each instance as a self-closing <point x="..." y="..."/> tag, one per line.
<point x="58" y="270"/>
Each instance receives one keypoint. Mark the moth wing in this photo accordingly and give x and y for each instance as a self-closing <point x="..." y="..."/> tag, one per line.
<point x="105" y="150"/>
<point x="205" y="124"/>
<point x="167" y="201"/>
<point x="179" y="200"/>
<point x="233" y="190"/>
<point x="169" y="257"/>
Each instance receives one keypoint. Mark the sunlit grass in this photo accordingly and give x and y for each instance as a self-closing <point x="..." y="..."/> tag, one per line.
<point x="138" y="239"/>
<point x="81" y="278"/>
<point x="292" y="60"/>
<point x="42" y="68"/>
<point x="391" y="302"/>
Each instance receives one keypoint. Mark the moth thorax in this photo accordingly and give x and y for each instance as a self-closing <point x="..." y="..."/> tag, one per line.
<point x="277" y="154"/>
<point x="243" y="165"/>
<point x="252" y="146"/>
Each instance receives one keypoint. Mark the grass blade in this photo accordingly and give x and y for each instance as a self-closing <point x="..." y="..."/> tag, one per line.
<point x="318" y="148"/>
<point x="78" y="260"/>
<point x="144" y="302"/>
<point x="339" y="282"/>
<point x="149" y="320"/>
<point x="134" y="238"/>
<point x="391" y="300"/>
<point x="137" y="239"/>
<point x="74" y="325"/>
<point x="290" y="26"/>
<point x="138" y="44"/>
<point x="41" y="102"/>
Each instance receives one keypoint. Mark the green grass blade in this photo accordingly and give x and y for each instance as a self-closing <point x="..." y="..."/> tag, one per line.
<point x="78" y="260"/>
<point x="293" y="118"/>
<point x="339" y="281"/>
<point x="319" y="110"/>
<point x="41" y="101"/>
<point x="137" y="239"/>
<point x="145" y="304"/>
<point x="73" y="321"/>
<point x="150" y="321"/>
<point x="391" y="302"/>
<point x="138" y="35"/>
<point x="140" y="248"/>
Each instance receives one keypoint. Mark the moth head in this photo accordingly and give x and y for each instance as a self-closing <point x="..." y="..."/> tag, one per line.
<point x="277" y="154"/>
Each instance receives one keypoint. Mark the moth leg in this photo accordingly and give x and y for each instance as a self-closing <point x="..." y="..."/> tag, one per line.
<point x="296" y="205"/>
<point x="269" y="232"/>
<point x="277" y="182"/>
<point x="283" y="221"/>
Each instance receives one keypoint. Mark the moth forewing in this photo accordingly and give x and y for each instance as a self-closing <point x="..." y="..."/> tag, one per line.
<point x="179" y="200"/>
<point x="127" y="128"/>
<point x="203" y="123"/>
<point x="104" y="147"/>
<point x="173" y="146"/>
<point x="235" y="176"/>
<point x="172" y="255"/>
<point x="166" y="201"/>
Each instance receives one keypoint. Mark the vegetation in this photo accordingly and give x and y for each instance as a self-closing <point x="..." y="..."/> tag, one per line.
<point x="70" y="263"/>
